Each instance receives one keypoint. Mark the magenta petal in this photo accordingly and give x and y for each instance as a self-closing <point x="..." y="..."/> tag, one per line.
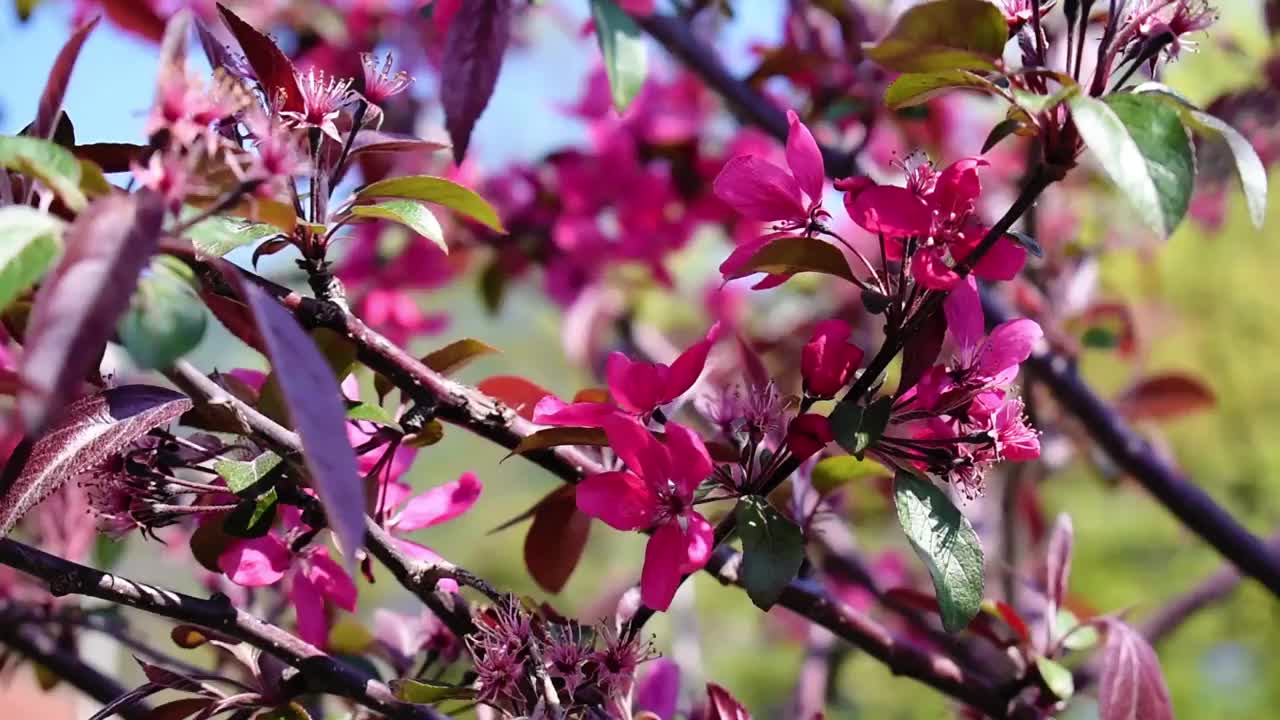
<point x="439" y="504"/>
<point x="892" y="210"/>
<point x="958" y="187"/>
<point x="255" y="562"/>
<point x="759" y="190"/>
<point x="1002" y="262"/>
<point x="635" y="386"/>
<point x="308" y="607"/>
<point x="551" y="410"/>
<point x="643" y="454"/>
<point x="805" y="158"/>
<point x="425" y="554"/>
<point x="686" y="368"/>
<point x="931" y="271"/>
<point x="699" y="541"/>
<point x="619" y="498"/>
<point x="1009" y="344"/>
<point x="690" y="461"/>
<point x="331" y="580"/>
<point x="963" y="309"/>
<point x="663" y="556"/>
<point x="658" y="690"/>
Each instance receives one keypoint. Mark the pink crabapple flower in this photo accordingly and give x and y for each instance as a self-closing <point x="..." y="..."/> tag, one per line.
<point x="408" y="513"/>
<point x="654" y="492"/>
<point x="637" y="388"/>
<point x="938" y="211"/>
<point x="828" y="360"/>
<point x="323" y="97"/>
<point x="379" y="82"/>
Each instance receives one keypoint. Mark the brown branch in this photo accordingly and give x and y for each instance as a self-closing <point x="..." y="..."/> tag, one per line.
<point x="322" y="673"/>
<point x="39" y="646"/>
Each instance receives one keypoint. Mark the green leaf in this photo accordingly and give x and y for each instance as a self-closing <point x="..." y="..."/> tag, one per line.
<point x="1099" y="338"/>
<point x="165" y="319"/>
<point x="1035" y="103"/>
<point x="917" y="88"/>
<point x="1057" y="677"/>
<point x="413" y="215"/>
<point x="217" y="236"/>
<point x="50" y="163"/>
<point x="1249" y="168"/>
<point x="243" y="475"/>
<point x="945" y="541"/>
<point x="772" y="550"/>
<point x="797" y="255"/>
<point x="1140" y="142"/>
<point x="942" y="36"/>
<point x="833" y="472"/>
<point x="370" y="412"/>
<point x="857" y="428"/>
<point x="622" y="44"/>
<point x="253" y="517"/>
<point x="30" y="241"/>
<point x="440" y="191"/>
<point x="107" y="551"/>
<point x="1002" y="130"/>
<point x="425" y="693"/>
<point x="1074" y="635"/>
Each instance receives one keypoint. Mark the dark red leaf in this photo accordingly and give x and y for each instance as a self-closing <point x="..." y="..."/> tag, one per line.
<point x="556" y="539"/>
<point x="1133" y="687"/>
<point x="234" y="316"/>
<point x="1058" y="560"/>
<point x="135" y="17"/>
<point x="1165" y="397"/>
<point x="76" y="308"/>
<point x="112" y="157"/>
<point x="165" y="677"/>
<point x="273" y="68"/>
<point x="921" y="350"/>
<point x="314" y="402"/>
<point x="179" y="709"/>
<point x="473" y="49"/>
<point x="1013" y="620"/>
<point x="723" y="706"/>
<point x="55" y="87"/>
<point x="221" y="56"/>
<point x="87" y="432"/>
<point x="376" y="141"/>
<point x="518" y="393"/>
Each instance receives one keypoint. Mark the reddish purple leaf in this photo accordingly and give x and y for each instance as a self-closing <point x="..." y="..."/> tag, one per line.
<point x="376" y="141"/>
<point x="556" y="539"/>
<point x="76" y="308"/>
<point x="112" y="157"/>
<point x="473" y="50"/>
<point x="1165" y="397"/>
<point x="519" y="394"/>
<point x="219" y="55"/>
<point x="723" y="706"/>
<point x="89" y="431"/>
<point x="314" y="402"/>
<point x="1058" y="560"/>
<point x="136" y="17"/>
<point x="1133" y="687"/>
<point x="921" y="350"/>
<point x="55" y="87"/>
<point x="273" y="68"/>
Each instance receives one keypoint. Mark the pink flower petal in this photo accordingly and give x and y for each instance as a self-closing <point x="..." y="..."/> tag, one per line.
<point x="255" y="562"/>
<point x="331" y="580"/>
<point x="421" y="553"/>
<point x="663" y="556"/>
<point x="619" y="498"/>
<point x="965" y="320"/>
<point x="889" y="209"/>
<point x="637" y="447"/>
<point x="658" y="690"/>
<point x="439" y="504"/>
<point x="1009" y="344"/>
<point x="686" y="368"/>
<point x="958" y="187"/>
<point x="636" y="386"/>
<point x="804" y="158"/>
<point x="551" y="410"/>
<point x="308" y="607"/>
<point x="759" y="190"/>
<point x="690" y="461"/>
<point x="1002" y="262"/>
<point x="931" y="271"/>
<point x="699" y="539"/>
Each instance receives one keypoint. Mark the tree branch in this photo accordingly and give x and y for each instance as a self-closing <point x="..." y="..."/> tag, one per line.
<point x="1132" y="453"/>
<point x="323" y="673"/>
<point x="39" y="646"/>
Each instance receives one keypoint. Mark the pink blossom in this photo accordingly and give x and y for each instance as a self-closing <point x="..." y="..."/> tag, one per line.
<point x="828" y="360"/>
<point x="938" y="212"/>
<point x="380" y="83"/>
<point x="323" y="97"/>
<point x="408" y="513"/>
<point x="760" y="190"/>
<point x="808" y="434"/>
<point x="655" y="493"/>
<point x="637" y="388"/>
